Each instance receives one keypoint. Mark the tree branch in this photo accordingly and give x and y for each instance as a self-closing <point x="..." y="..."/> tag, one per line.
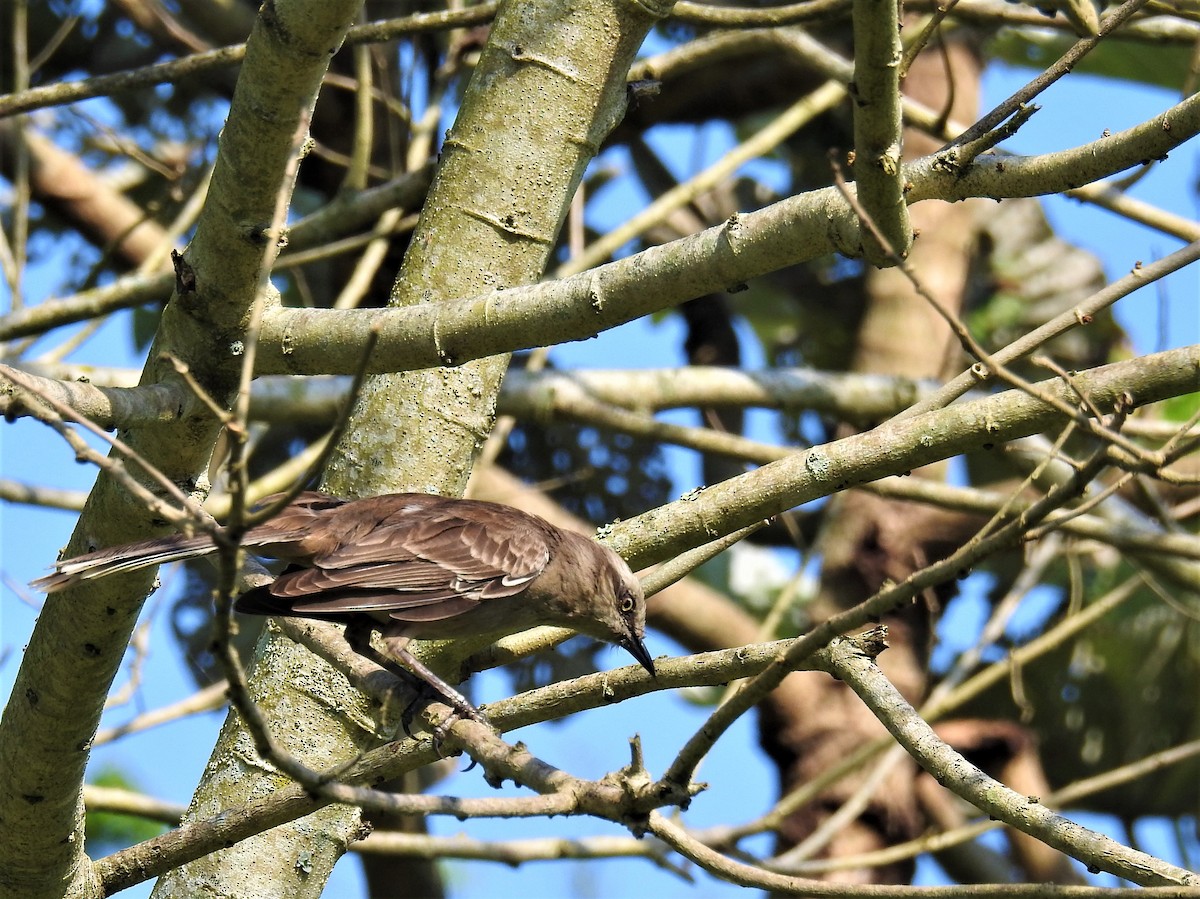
<point x="955" y="773"/>
<point x="323" y="341"/>
<point x="894" y="447"/>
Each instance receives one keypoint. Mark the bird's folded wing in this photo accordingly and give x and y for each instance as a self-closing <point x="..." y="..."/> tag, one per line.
<point x="411" y="607"/>
<point x="444" y="549"/>
<point x="397" y="584"/>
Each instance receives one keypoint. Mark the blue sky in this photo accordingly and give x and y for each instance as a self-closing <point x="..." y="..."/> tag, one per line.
<point x="743" y="785"/>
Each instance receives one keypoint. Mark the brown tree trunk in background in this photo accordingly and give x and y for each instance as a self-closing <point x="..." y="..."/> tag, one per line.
<point x="866" y="540"/>
<point x="397" y="876"/>
<point x="711" y="340"/>
<point x="62" y="182"/>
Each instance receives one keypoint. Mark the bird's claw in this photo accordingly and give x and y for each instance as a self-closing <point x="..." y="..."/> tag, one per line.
<point x="459" y="713"/>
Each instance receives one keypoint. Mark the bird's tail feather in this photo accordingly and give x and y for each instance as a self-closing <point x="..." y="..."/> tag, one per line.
<point x="120" y="559"/>
<point x="147" y="553"/>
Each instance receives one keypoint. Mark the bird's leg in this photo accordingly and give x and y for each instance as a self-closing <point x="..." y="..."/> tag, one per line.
<point x="421" y="692"/>
<point x="411" y="669"/>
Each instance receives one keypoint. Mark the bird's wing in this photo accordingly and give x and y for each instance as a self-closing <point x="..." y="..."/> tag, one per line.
<point x="420" y="568"/>
<point x="396" y="590"/>
<point x="495" y="552"/>
<point x="334" y="605"/>
<point x="399" y="584"/>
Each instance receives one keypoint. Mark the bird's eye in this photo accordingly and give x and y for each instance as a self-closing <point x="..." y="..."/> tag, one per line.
<point x="627" y="602"/>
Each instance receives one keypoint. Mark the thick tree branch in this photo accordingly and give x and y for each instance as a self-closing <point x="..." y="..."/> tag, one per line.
<point x="540" y="102"/>
<point x="284" y="399"/>
<point x="894" y="447"/>
<point x="878" y="128"/>
<point x="323" y="341"/>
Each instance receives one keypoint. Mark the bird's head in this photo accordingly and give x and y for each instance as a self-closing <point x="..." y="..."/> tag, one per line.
<point x="615" y="610"/>
<point x="628" y="626"/>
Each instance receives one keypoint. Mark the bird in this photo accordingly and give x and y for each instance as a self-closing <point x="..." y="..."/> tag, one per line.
<point x="413" y="565"/>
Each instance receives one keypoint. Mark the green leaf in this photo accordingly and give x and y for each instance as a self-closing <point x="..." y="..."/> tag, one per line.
<point x="109" y="831"/>
<point x="1165" y="65"/>
<point x="1180" y="408"/>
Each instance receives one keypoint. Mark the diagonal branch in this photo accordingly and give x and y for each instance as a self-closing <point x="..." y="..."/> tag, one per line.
<point x="1098" y="852"/>
<point x="200" y="836"/>
<point x="895" y="447"/>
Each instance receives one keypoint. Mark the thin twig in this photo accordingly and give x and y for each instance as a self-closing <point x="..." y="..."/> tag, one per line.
<point x="53" y="413"/>
<point x="1061" y="67"/>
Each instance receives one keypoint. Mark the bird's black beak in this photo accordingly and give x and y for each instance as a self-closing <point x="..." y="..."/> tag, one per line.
<point x="637" y="649"/>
